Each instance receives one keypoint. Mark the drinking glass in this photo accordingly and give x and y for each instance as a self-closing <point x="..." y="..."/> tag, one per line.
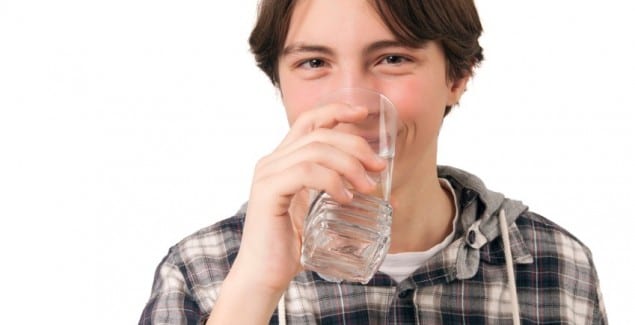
<point x="349" y="241"/>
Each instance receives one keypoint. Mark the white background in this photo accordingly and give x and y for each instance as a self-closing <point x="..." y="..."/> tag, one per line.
<point x="127" y="125"/>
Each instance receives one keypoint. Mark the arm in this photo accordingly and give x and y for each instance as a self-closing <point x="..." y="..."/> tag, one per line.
<point x="240" y="302"/>
<point x="312" y="155"/>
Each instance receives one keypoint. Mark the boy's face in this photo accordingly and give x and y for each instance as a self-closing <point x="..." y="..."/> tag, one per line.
<point x="334" y="44"/>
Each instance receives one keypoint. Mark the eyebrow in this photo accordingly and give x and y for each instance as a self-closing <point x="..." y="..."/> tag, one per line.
<point x="306" y="48"/>
<point x="380" y="45"/>
<point x="373" y="47"/>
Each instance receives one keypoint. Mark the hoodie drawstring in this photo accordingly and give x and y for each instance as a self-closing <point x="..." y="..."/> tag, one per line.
<point x="282" y="320"/>
<point x="509" y="265"/>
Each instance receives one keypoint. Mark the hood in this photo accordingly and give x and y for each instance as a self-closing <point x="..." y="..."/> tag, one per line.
<point x="479" y="220"/>
<point x="485" y="216"/>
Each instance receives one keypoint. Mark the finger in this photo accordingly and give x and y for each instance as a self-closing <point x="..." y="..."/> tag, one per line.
<point x="280" y="188"/>
<point x="323" y="117"/>
<point x="298" y="209"/>
<point x="353" y="145"/>
<point x="325" y="155"/>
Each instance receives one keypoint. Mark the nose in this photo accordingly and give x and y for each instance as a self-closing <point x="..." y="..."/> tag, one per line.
<point x="352" y="76"/>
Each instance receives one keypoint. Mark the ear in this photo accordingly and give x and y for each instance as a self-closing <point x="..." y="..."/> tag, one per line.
<point x="457" y="88"/>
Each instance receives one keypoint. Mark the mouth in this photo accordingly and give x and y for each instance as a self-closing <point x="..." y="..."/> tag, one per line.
<point x="374" y="140"/>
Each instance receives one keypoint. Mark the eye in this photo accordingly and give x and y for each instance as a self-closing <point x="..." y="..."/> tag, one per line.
<point x="312" y="63"/>
<point x="394" y="59"/>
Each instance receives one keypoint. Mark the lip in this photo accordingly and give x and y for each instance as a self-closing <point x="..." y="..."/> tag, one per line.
<point x="370" y="137"/>
<point x="374" y="139"/>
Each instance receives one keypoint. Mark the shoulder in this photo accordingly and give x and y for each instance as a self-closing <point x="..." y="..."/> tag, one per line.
<point x="544" y="238"/>
<point x="562" y="266"/>
<point x="188" y="279"/>
<point x="209" y="251"/>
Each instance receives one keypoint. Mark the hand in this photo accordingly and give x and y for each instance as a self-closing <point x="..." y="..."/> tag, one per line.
<point x="312" y="156"/>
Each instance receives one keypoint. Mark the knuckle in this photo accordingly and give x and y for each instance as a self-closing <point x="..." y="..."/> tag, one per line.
<point x="266" y="159"/>
<point x="305" y="168"/>
<point x="261" y="162"/>
<point x="352" y="167"/>
<point x="332" y="180"/>
<point x="304" y="118"/>
<point x="360" y="144"/>
<point x="320" y="133"/>
<point x="314" y="146"/>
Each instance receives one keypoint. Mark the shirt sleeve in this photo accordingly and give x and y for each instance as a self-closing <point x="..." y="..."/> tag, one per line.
<point x="599" y="312"/>
<point x="171" y="301"/>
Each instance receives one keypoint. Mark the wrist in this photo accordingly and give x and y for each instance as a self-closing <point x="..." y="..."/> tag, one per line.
<point x="244" y="275"/>
<point x="244" y="301"/>
<point x="244" y="279"/>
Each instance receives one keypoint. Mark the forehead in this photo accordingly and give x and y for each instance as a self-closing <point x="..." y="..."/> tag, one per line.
<point x="335" y="21"/>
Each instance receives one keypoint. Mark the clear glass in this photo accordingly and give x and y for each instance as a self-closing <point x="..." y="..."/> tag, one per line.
<point x="349" y="242"/>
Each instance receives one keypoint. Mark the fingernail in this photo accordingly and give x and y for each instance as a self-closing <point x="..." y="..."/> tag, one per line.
<point x="348" y="193"/>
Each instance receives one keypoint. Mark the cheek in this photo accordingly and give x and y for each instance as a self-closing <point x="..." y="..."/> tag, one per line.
<point x="299" y="96"/>
<point x="417" y="98"/>
<point x="297" y="99"/>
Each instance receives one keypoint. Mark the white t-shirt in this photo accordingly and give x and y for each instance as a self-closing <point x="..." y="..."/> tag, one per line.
<point x="401" y="265"/>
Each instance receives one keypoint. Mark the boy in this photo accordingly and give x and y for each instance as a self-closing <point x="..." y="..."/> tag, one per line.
<point x="459" y="252"/>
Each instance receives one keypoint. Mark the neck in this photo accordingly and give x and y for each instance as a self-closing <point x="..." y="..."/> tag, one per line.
<point x="423" y="212"/>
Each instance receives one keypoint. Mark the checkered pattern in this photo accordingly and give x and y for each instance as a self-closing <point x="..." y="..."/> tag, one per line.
<point x="555" y="277"/>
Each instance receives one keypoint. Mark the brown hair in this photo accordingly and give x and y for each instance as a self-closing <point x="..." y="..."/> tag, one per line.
<point x="454" y="23"/>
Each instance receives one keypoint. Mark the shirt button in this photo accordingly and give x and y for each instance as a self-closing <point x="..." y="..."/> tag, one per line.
<point x="471" y="237"/>
<point x="405" y="294"/>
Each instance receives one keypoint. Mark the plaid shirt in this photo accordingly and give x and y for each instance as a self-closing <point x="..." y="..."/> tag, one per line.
<point x="555" y="278"/>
